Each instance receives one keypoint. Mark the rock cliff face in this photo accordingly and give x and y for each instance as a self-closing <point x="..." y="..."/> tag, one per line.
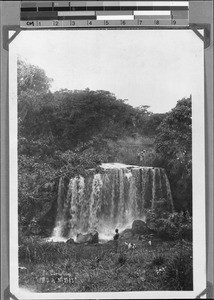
<point x="109" y="199"/>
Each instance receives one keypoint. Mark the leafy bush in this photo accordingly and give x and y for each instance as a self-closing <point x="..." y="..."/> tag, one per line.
<point x="36" y="250"/>
<point x="170" y="225"/>
<point x="158" y="260"/>
<point x="179" y="272"/>
<point x="121" y="259"/>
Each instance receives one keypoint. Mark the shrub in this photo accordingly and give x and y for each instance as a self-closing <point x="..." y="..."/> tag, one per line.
<point x="89" y="284"/>
<point x="158" y="260"/>
<point x="121" y="259"/>
<point x="35" y="250"/>
<point x="179" y="272"/>
<point x="170" y="225"/>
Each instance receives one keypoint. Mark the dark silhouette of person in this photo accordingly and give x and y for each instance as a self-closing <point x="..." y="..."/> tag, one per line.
<point x="116" y="236"/>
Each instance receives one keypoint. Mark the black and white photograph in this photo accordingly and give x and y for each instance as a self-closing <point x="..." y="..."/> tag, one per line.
<point x="109" y="151"/>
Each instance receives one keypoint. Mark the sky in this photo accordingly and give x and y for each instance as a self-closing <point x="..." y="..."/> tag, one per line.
<point x="147" y="67"/>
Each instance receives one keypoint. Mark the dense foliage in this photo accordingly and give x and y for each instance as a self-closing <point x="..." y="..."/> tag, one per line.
<point x="173" y="146"/>
<point x="170" y="226"/>
<point x="65" y="132"/>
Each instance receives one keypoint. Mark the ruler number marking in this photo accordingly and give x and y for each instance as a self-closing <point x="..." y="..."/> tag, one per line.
<point x="56" y="23"/>
<point x="30" y="23"/>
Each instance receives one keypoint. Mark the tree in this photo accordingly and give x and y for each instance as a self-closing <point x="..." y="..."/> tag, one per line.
<point x="84" y="115"/>
<point x="32" y="77"/>
<point x="33" y="84"/>
<point x="175" y="132"/>
<point x="147" y="122"/>
<point x="173" y="145"/>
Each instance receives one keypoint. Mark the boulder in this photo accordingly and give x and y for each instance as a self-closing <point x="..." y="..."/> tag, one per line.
<point x="139" y="227"/>
<point x="127" y="233"/>
<point x="91" y="238"/>
<point x="83" y="238"/>
<point x="94" y="237"/>
<point x="70" y="241"/>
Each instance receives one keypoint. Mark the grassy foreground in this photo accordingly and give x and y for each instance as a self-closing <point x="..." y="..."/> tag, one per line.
<point x="154" y="265"/>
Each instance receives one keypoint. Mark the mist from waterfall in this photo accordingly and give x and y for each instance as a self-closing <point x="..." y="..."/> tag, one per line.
<point x="111" y="199"/>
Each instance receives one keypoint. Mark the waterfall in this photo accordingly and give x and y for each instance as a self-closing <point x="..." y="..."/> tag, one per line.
<point x="110" y="199"/>
<point x="95" y="202"/>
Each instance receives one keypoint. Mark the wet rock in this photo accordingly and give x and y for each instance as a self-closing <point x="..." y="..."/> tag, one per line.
<point x="139" y="227"/>
<point x="94" y="237"/>
<point x="127" y="233"/>
<point x="83" y="238"/>
<point x="91" y="238"/>
<point x="70" y="241"/>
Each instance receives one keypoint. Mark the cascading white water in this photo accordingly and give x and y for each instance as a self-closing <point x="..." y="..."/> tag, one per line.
<point x="110" y="199"/>
<point x="95" y="201"/>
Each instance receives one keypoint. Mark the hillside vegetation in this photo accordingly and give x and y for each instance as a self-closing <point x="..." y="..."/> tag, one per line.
<point x="64" y="133"/>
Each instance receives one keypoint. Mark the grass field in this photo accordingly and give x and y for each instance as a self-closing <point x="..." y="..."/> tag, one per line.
<point x="154" y="265"/>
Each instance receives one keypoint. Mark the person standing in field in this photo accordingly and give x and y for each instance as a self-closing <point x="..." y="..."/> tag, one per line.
<point x="116" y="237"/>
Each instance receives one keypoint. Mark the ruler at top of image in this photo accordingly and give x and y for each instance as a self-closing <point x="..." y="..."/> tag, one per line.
<point x="65" y="14"/>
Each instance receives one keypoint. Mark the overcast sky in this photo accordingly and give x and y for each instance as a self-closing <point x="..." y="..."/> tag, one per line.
<point x="147" y="67"/>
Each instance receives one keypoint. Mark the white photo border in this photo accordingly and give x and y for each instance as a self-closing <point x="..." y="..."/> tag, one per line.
<point x="199" y="235"/>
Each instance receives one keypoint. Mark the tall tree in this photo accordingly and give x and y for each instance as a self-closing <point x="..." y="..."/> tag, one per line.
<point x="174" y="147"/>
<point x="32" y="77"/>
<point x="33" y="84"/>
